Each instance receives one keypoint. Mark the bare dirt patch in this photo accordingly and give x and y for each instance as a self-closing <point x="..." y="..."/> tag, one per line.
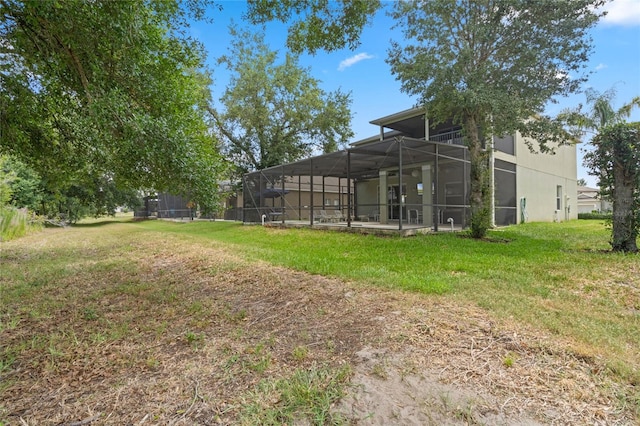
<point x="155" y="329"/>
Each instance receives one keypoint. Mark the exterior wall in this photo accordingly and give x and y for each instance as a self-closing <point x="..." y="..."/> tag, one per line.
<point x="539" y="175"/>
<point x="519" y="175"/>
<point x="367" y="193"/>
<point x="589" y="206"/>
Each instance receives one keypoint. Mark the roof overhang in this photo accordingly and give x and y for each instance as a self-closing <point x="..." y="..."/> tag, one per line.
<point x="411" y="122"/>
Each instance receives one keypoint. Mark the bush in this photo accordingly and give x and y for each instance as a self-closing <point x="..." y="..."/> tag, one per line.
<point x="595" y="215"/>
<point x="15" y="223"/>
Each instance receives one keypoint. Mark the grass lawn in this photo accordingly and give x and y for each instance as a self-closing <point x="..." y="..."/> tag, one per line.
<point x="555" y="276"/>
<point x="112" y="304"/>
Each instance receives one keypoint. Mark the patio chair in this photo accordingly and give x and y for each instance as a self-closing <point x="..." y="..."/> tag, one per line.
<point x="317" y="216"/>
<point x="375" y="216"/>
<point x="414" y="216"/>
<point x="325" y="217"/>
<point x="338" y="216"/>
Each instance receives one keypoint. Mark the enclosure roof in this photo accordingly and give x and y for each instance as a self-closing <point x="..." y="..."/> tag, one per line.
<point x="365" y="160"/>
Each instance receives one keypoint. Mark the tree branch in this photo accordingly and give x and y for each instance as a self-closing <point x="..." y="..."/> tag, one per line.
<point x="227" y="134"/>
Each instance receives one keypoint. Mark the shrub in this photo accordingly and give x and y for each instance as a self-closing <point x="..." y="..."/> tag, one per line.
<point x="595" y="215"/>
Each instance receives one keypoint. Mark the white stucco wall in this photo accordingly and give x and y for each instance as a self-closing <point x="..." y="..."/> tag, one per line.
<point x="537" y="179"/>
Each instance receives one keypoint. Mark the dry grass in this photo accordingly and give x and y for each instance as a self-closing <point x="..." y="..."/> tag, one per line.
<point x="114" y="325"/>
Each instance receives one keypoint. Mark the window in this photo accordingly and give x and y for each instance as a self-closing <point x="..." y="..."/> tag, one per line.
<point x="504" y="144"/>
<point x="559" y="197"/>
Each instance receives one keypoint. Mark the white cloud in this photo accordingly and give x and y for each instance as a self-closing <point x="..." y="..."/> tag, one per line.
<point x="622" y="12"/>
<point x="601" y="66"/>
<point x="353" y="60"/>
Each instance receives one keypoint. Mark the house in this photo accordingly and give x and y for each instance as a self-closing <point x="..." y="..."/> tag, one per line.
<point x="416" y="174"/>
<point x="164" y="205"/>
<point x="589" y="201"/>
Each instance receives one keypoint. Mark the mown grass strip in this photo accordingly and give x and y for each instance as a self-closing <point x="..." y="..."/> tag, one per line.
<point x="556" y="276"/>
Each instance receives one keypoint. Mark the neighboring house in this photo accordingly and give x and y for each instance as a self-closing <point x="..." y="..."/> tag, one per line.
<point x="589" y="201"/>
<point x="165" y="206"/>
<point x="412" y="172"/>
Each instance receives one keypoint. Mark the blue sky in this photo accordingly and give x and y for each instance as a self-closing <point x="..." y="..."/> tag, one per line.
<point x="375" y="93"/>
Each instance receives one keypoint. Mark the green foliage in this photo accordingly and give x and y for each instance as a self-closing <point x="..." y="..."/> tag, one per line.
<point x="307" y="394"/>
<point x="15" y="223"/>
<point x="595" y="215"/>
<point x="107" y="91"/>
<point x="600" y="112"/>
<point x="615" y="159"/>
<point x="6" y="180"/>
<point x="317" y="25"/>
<point x="490" y="66"/>
<point x="290" y="115"/>
<point x="24" y="182"/>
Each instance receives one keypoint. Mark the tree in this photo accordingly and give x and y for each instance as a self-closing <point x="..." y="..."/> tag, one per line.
<point x="492" y="66"/>
<point x="23" y="185"/>
<point x="276" y="113"/>
<point x="318" y="25"/>
<point x="582" y="182"/>
<point x="615" y="159"/>
<point x="599" y="113"/>
<point x="107" y="91"/>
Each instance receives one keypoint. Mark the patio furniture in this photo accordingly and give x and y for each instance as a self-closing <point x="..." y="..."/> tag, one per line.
<point x="338" y="216"/>
<point x="276" y="214"/>
<point x="375" y="216"/>
<point x="325" y="217"/>
<point x="414" y="216"/>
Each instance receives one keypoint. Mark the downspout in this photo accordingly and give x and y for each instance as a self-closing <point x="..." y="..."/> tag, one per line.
<point x="426" y="127"/>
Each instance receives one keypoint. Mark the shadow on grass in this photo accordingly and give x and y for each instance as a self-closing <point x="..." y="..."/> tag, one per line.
<point x="103" y="222"/>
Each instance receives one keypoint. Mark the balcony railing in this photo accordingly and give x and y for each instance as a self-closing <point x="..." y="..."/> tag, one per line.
<point x="451" y="138"/>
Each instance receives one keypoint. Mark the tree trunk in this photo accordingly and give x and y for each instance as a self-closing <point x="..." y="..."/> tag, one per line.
<point x="624" y="230"/>
<point x="480" y="194"/>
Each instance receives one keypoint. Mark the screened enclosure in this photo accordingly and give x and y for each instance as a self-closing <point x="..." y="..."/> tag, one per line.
<point x="397" y="181"/>
<point x="413" y="175"/>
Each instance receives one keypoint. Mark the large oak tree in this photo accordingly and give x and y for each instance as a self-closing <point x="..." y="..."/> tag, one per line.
<point x="317" y="24"/>
<point x="273" y="111"/>
<point x="491" y="66"/>
<point x="107" y="91"/>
